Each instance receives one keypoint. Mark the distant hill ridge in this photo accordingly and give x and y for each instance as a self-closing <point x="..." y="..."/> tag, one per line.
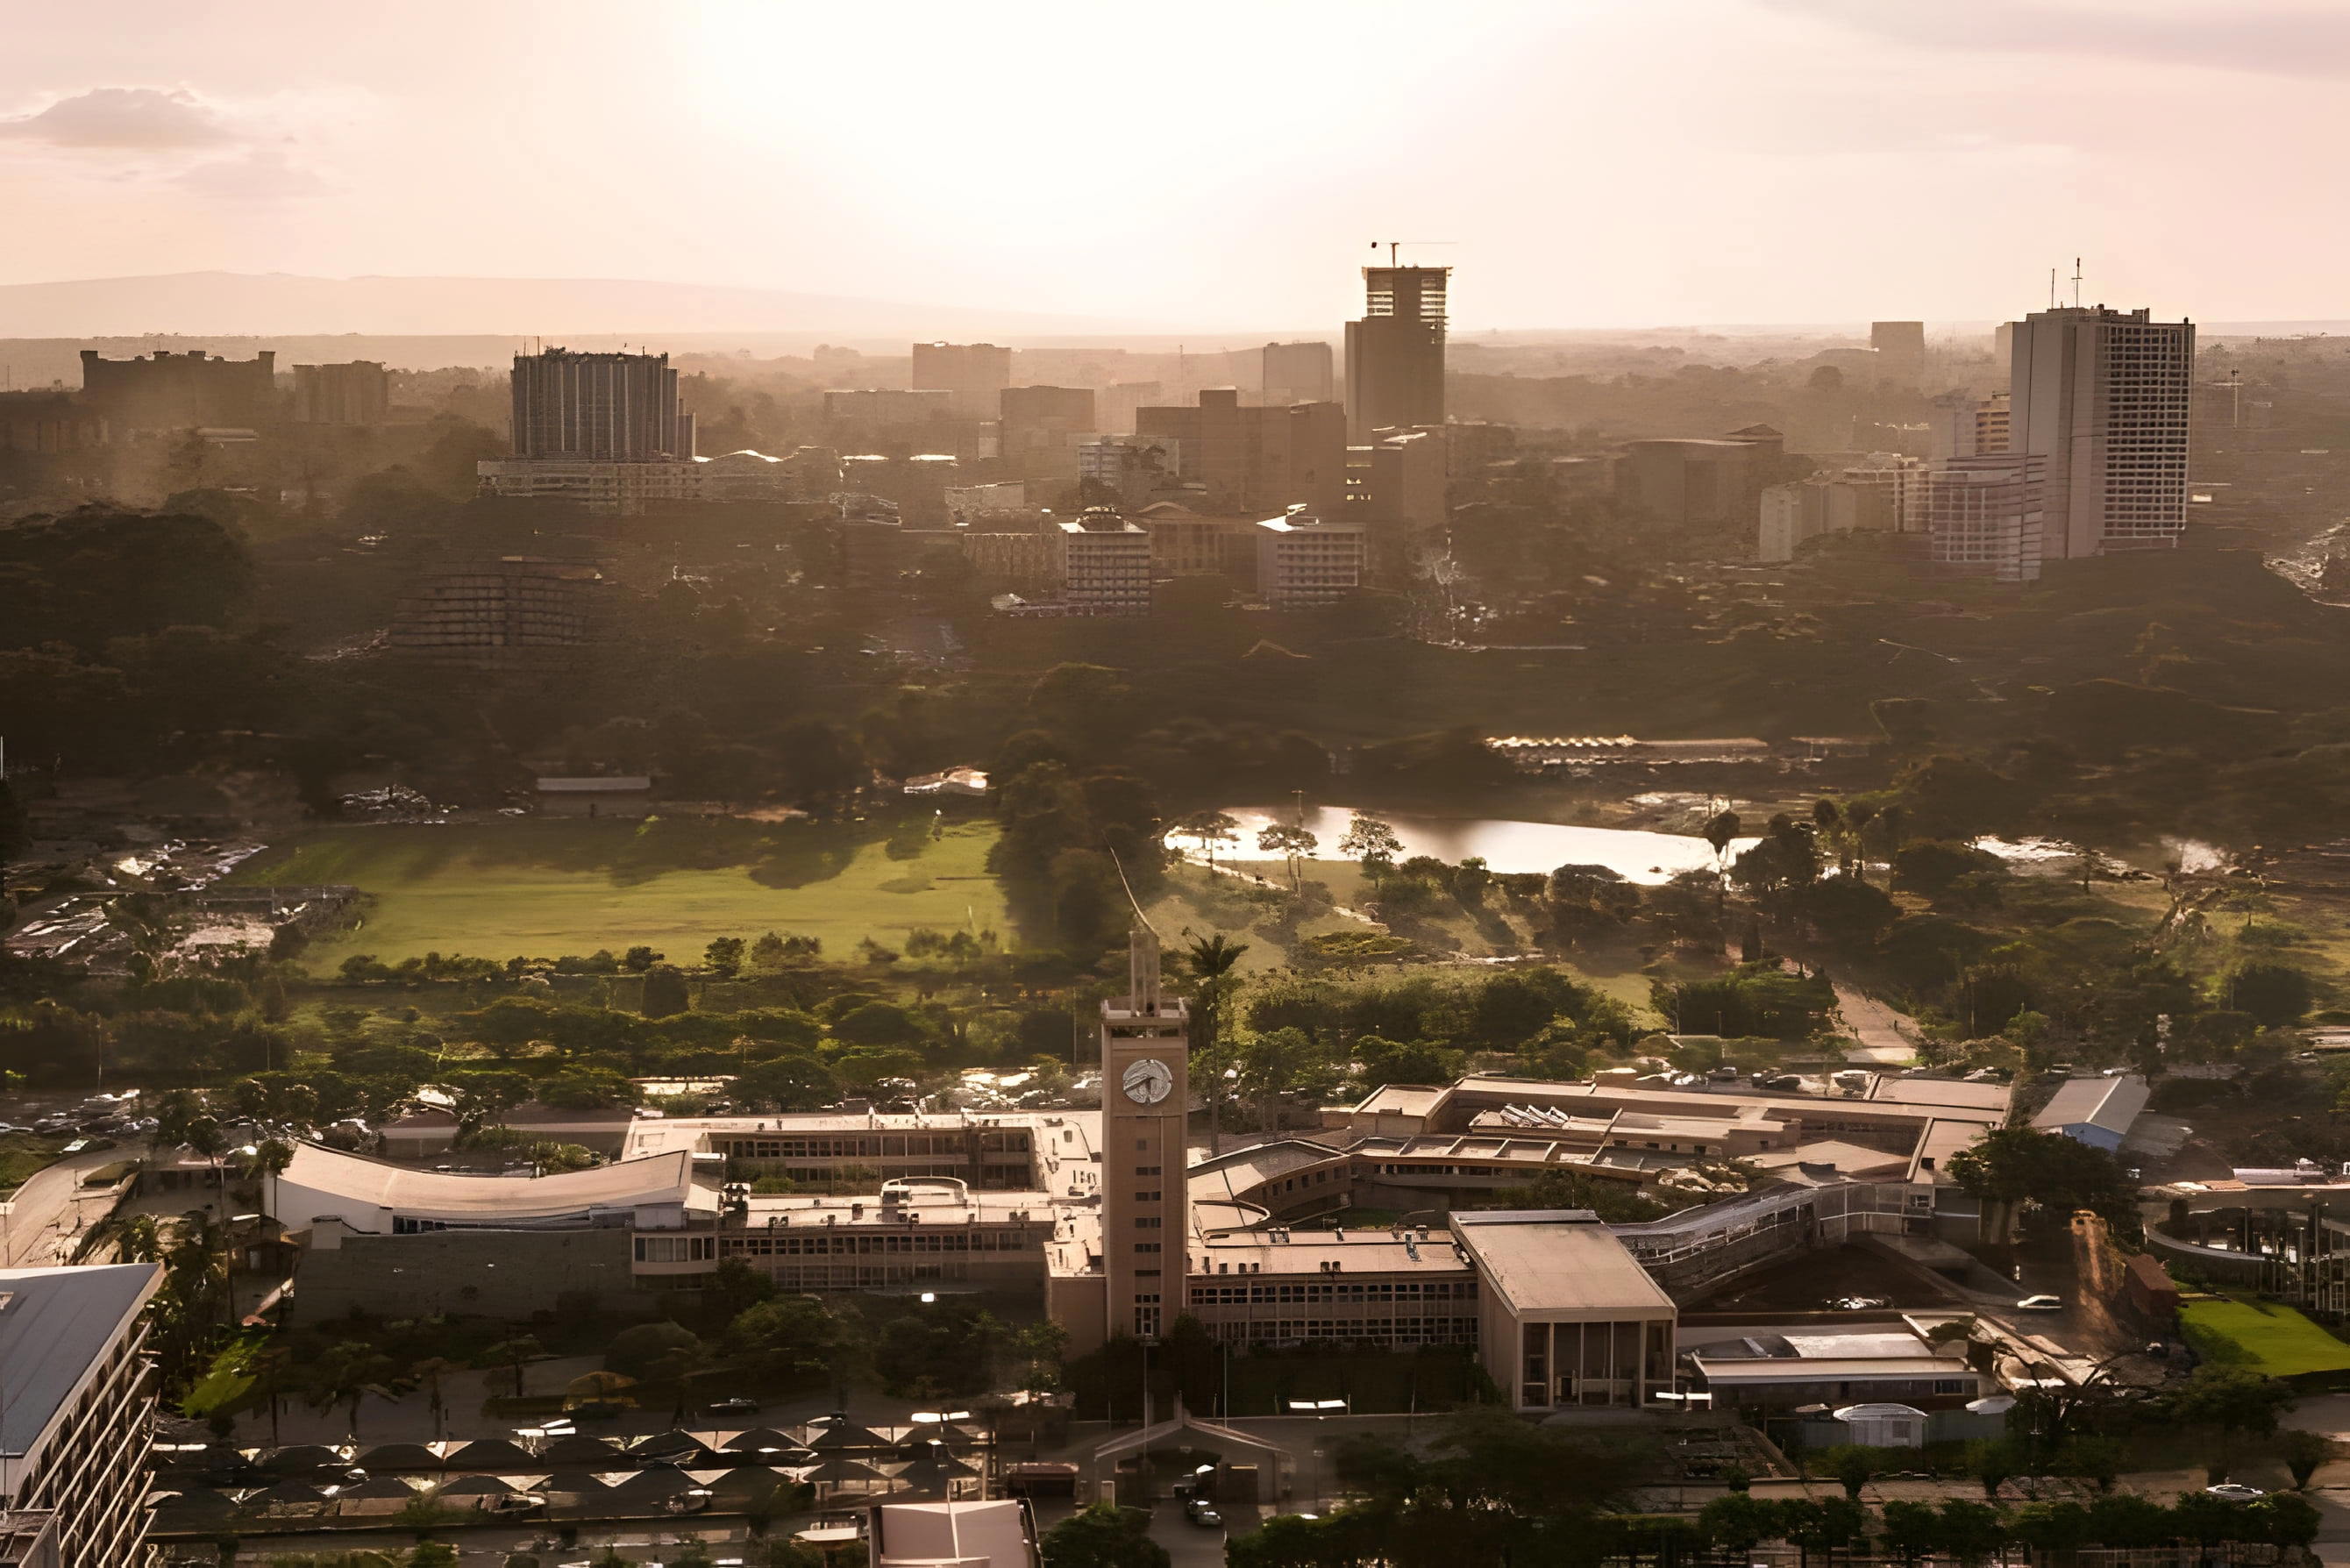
<point x="276" y="305"/>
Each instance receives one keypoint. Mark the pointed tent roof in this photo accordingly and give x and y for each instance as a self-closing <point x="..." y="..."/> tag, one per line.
<point x="375" y="1487"/>
<point x="673" y="1441"/>
<point x="580" y="1448"/>
<point x="398" y="1457"/>
<point x="477" y="1486"/>
<point x="746" y="1482"/>
<point x="489" y="1454"/>
<point x="284" y="1491"/>
<point x="654" y="1481"/>
<point x="299" y="1457"/>
<point x="834" y="1469"/>
<point x="202" y="1500"/>
<point x="764" y="1439"/>
<point x="922" y="1432"/>
<point x="833" y="1434"/>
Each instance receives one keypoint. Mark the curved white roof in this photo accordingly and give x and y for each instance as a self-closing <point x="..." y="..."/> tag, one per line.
<point x="319" y="1178"/>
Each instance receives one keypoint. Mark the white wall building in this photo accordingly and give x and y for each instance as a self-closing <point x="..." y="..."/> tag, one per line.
<point x="1303" y="561"/>
<point x="1105" y="565"/>
<point x="1985" y="517"/>
<point x="2103" y="397"/>
<point x="77" y="1412"/>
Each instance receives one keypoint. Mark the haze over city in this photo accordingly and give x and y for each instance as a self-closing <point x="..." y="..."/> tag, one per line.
<point x="1597" y="164"/>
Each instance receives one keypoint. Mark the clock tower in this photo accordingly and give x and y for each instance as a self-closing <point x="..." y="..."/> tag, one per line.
<point x="1146" y="1095"/>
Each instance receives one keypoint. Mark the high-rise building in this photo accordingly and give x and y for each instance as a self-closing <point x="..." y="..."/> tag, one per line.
<point x="1042" y="429"/>
<point x="1901" y="351"/>
<point x="1298" y="373"/>
<point x="976" y="373"/>
<point x="1984" y="515"/>
<point x="77" y="1413"/>
<point x="358" y="393"/>
<point x="1395" y="354"/>
<point x="168" y="391"/>
<point x="1146" y="1045"/>
<point x="607" y="408"/>
<point x="1252" y="459"/>
<point x="2103" y="398"/>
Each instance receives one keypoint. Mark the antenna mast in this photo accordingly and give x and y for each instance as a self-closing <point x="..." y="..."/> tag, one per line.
<point x="2076" y="283"/>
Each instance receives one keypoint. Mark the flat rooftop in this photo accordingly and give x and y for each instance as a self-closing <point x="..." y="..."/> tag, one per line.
<point x="1558" y="1261"/>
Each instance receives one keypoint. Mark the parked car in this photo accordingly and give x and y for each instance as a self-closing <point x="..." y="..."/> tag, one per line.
<point x="516" y="1502"/>
<point x="735" y="1407"/>
<point x="2041" y="1303"/>
<point x="2234" y="1492"/>
<point x="1857" y="1304"/>
<point x="694" y="1501"/>
<point x="1204" y="1515"/>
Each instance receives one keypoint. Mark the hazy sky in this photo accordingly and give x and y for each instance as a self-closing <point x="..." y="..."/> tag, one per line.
<point x="1597" y="163"/>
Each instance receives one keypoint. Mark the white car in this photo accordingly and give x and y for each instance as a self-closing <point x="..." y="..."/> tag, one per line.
<point x="2234" y="1492"/>
<point x="2041" y="1303"/>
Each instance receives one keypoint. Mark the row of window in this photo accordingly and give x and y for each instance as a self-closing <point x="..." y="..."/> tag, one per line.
<point x="837" y="1243"/>
<point x="867" y="1146"/>
<point x="1389" y="1329"/>
<point x="1337" y="1291"/>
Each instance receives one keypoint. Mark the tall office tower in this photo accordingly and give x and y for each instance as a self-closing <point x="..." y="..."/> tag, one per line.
<point x="358" y="393"/>
<point x="1901" y="351"/>
<point x="1255" y="459"/>
<point x="1145" y="1041"/>
<point x="976" y="373"/>
<point x="1298" y="373"/>
<point x="1041" y="429"/>
<point x="604" y="408"/>
<point x="1395" y="354"/>
<point x="2103" y="398"/>
<point x="78" y="1423"/>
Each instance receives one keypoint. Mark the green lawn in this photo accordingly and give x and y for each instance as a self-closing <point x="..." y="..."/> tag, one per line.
<point x="543" y="889"/>
<point x="2268" y="1338"/>
<point x="22" y="1154"/>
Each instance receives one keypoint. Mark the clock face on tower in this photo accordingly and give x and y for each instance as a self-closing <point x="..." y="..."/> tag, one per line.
<point x="1147" y="1081"/>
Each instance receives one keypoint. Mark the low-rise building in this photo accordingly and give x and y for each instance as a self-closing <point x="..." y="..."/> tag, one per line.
<point x="1304" y="561"/>
<point x="2098" y="1112"/>
<point x="1105" y="565"/>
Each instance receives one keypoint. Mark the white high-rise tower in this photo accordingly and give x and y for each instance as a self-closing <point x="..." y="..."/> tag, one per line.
<point x="2102" y="397"/>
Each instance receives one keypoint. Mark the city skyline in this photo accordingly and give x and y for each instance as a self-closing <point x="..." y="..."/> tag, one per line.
<point x="1593" y="165"/>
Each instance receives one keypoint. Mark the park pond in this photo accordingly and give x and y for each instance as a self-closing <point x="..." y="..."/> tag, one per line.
<point x="1635" y="855"/>
<point x="1507" y="847"/>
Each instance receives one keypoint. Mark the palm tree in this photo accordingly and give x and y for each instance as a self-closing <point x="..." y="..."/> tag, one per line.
<point x="1212" y="959"/>
<point x="345" y="1373"/>
<point x="515" y="1352"/>
<point x="429" y="1372"/>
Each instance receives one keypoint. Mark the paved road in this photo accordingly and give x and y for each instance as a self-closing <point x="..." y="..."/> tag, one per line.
<point x="1878" y="1027"/>
<point x="44" y="1223"/>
